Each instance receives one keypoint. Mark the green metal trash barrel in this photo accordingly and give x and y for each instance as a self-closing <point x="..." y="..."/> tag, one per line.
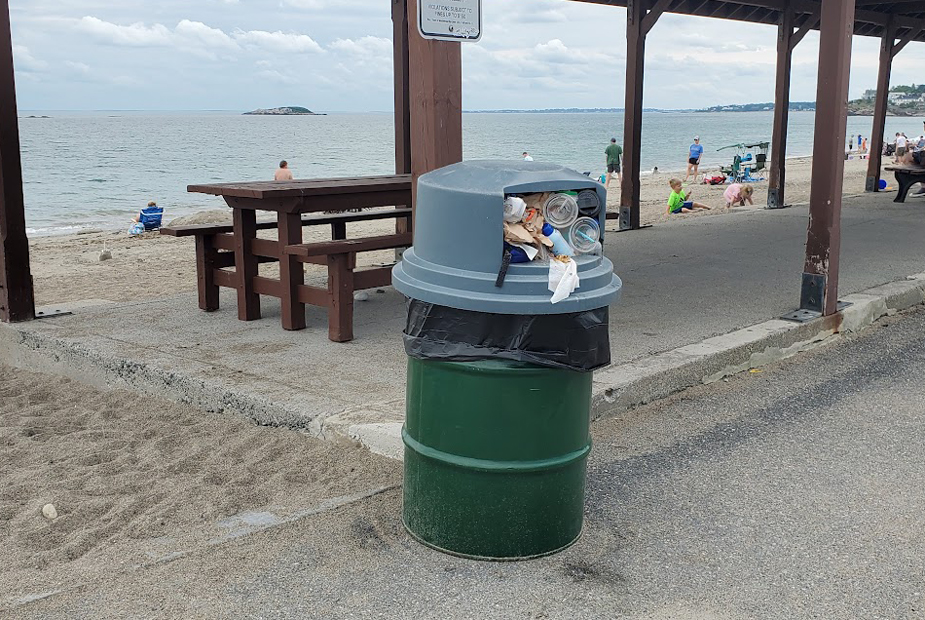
<point x="499" y="378"/>
<point x="495" y="457"/>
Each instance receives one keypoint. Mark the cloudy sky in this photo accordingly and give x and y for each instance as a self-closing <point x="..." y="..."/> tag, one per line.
<point x="335" y="55"/>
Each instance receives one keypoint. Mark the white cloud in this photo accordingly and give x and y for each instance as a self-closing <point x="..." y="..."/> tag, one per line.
<point x="25" y="61"/>
<point x="197" y="33"/>
<point x="78" y="67"/>
<point x="136" y="35"/>
<point x="303" y="4"/>
<point x="277" y="76"/>
<point x="279" y="42"/>
<point x="375" y="48"/>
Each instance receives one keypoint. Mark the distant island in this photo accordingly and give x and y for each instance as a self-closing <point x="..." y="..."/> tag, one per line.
<point x="795" y="106"/>
<point x="288" y="110"/>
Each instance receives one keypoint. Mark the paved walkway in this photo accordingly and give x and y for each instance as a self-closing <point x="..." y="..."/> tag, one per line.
<point x="791" y="494"/>
<point x="684" y="281"/>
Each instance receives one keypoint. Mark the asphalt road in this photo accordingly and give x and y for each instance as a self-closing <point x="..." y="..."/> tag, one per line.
<point x="797" y="492"/>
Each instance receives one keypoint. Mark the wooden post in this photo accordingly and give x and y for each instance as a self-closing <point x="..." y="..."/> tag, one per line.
<point x="245" y="263"/>
<point x="291" y="272"/>
<point x="787" y="40"/>
<point x="632" y="114"/>
<point x="874" y="159"/>
<point x="777" y="170"/>
<point x="819" y="291"/>
<point x="17" y="299"/>
<point x="435" y="102"/>
<point x="205" y="273"/>
<point x="402" y="103"/>
<point x="400" y="64"/>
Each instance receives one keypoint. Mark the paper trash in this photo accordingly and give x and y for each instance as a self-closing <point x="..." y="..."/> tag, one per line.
<point x="563" y="279"/>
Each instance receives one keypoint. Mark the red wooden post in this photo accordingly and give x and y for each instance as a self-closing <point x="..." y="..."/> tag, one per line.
<point x="17" y="299"/>
<point x="880" y="107"/>
<point x="245" y="263"/>
<point x="777" y="170"/>
<point x="819" y="291"/>
<point x="632" y="114"/>
<point x="400" y="64"/>
<point x="435" y="102"/>
<point x="340" y="288"/>
<point x="291" y="272"/>
<point x="205" y="273"/>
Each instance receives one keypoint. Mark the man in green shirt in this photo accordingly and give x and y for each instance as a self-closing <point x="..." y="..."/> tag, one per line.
<point x="614" y="153"/>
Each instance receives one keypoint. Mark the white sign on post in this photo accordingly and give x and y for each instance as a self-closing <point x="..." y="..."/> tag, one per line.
<point x="450" y="20"/>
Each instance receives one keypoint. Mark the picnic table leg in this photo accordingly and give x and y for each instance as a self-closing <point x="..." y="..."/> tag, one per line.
<point x="245" y="231"/>
<point x="291" y="272"/>
<point x="338" y="231"/>
<point x="205" y="273"/>
<point x="340" y="287"/>
<point x="905" y="182"/>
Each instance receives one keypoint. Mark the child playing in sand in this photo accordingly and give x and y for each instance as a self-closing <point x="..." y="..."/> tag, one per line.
<point x="737" y="194"/>
<point x="678" y="201"/>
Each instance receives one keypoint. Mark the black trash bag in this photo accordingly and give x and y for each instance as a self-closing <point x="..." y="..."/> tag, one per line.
<point x="578" y="341"/>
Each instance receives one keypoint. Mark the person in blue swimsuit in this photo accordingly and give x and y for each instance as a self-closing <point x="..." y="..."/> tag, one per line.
<point x="693" y="160"/>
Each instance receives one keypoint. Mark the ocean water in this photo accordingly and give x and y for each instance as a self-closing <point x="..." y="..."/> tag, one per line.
<point x="97" y="169"/>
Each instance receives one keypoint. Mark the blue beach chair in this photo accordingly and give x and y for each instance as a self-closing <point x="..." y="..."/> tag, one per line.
<point x="151" y="216"/>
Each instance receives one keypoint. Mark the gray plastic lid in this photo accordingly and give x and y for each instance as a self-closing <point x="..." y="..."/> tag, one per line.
<point x="458" y="242"/>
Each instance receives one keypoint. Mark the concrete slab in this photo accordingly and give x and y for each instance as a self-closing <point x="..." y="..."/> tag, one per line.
<point x="701" y="301"/>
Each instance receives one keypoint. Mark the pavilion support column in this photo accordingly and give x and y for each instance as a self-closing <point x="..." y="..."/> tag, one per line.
<point x="435" y="101"/>
<point x="638" y="24"/>
<point x="787" y="40"/>
<point x="777" y="169"/>
<point x="17" y="301"/>
<point x="400" y="67"/>
<point x="402" y="100"/>
<point x="819" y="290"/>
<point x="875" y="153"/>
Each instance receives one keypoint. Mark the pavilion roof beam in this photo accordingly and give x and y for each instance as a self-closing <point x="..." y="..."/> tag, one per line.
<point x="811" y="22"/>
<point x="903" y="42"/>
<point x="659" y="7"/>
<point x="863" y="17"/>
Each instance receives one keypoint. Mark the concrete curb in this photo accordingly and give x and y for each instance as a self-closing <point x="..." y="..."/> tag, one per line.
<point x="615" y="390"/>
<point x="619" y="388"/>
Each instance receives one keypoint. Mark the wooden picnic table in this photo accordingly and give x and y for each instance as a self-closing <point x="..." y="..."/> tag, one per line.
<point x="906" y="176"/>
<point x="289" y="200"/>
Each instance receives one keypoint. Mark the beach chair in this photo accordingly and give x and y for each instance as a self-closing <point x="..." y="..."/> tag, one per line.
<point x="151" y="217"/>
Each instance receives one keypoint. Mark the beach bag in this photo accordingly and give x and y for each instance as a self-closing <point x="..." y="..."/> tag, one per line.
<point x="151" y="217"/>
<point x="137" y="228"/>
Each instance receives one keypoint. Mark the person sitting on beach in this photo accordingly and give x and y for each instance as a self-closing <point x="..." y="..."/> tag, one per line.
<point x="679" y="200"/>
<point x="737" y="194"/>
<point x="283" y="173"/>
<point x="526" y="156"/>
<point x="148" y="218"/>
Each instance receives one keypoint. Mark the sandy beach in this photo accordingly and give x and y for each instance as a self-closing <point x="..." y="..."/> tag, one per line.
<point x="133" y="479"/>
<point x="68" y="268"/>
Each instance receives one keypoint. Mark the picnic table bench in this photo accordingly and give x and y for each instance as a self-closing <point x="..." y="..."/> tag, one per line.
<point x="334" y="202"/>
<point x="906" y="177"/>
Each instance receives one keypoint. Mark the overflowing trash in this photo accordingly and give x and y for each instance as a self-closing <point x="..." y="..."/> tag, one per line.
<point x="552" y="227"/>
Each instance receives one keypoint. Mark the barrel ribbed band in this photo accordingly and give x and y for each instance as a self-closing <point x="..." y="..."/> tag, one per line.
<point x="487" y="465"/>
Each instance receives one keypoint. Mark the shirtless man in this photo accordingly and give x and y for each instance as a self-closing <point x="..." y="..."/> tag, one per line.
<point x="283" y="173"/>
